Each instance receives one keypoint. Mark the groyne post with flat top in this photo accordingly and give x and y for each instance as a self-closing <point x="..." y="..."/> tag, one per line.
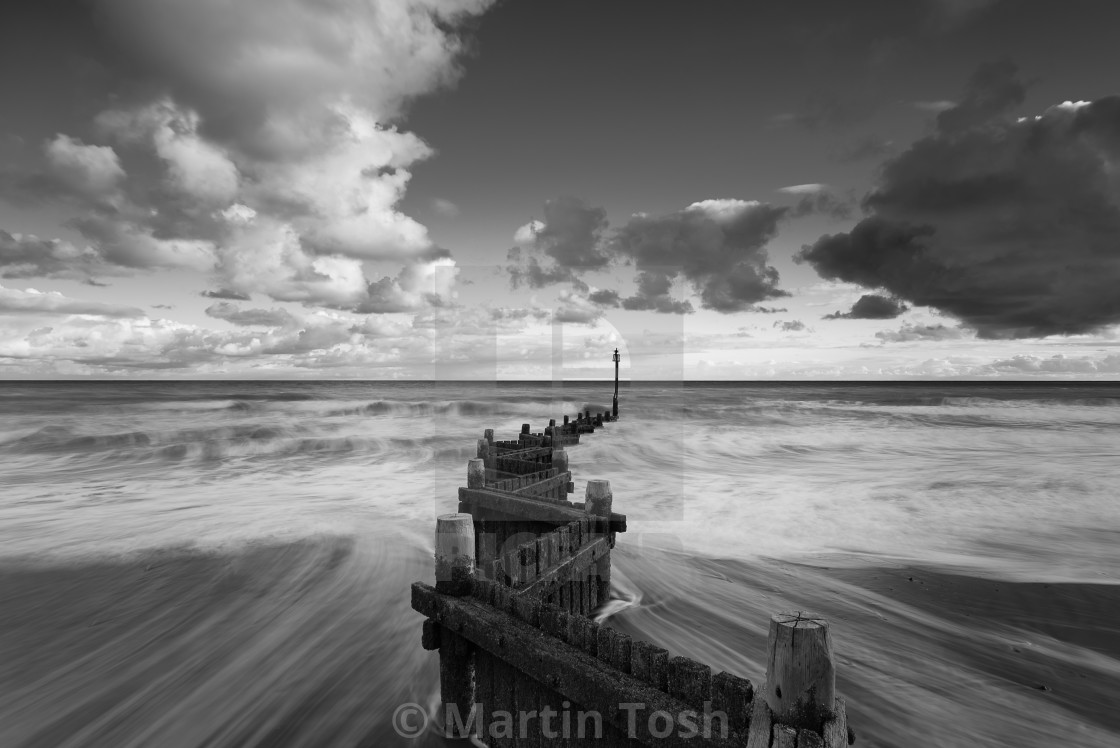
<point x="476" y="473"/>
<point x="598" y="507"/>
<point x="455" y="576"/>
<point x="801" y="676"/>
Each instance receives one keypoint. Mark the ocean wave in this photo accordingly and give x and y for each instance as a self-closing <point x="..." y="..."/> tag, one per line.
<point x="461" y="408"/>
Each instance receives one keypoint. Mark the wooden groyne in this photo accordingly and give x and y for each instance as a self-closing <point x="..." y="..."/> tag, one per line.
<point x="520" y="570"/>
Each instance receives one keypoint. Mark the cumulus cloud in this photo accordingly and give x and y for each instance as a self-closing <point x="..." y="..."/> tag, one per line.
<point x="91" y="170"/>
<point x="604" y="297"/>
<point x="268" y="73"/>
<point x="719" y="246"/>
<point x="576" y="308"/>
<point x="795" y="325"/>
<point x="569" y="239"/>
<point x="529" y="271"/>
<point x="416" y="287"/>
<point x="195" y="168"/>
<point x="872" y="306"/>
<point x="518" y="314"/>
<point x="1009" y="225"/>
<point x="269" y="155"/>
<point x="234" y="314"/>
<point x="28" y="256"/>
<point x="911" y="332"/>
<point x="225" y="293"/>
<point x="654" y="293"/>
<point x="31" y="301"/>
<point x="1058" y="364"/>
<point x="134" y="245"/>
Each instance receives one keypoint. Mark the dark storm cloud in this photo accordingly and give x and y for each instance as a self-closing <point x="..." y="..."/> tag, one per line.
<point x="258" y="317"/>
<point x="1011" y="226"/>
<point x="225" y="293"/>
<point x="604" y="297"/>
<point x="719" y="246"/>
<point x="872" y="306"/>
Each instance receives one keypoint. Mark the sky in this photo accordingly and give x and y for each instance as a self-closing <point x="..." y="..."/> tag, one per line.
<point x="510" y="189"/>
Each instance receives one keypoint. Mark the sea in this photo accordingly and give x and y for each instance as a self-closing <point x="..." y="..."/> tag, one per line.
<point x="229" y="563"/>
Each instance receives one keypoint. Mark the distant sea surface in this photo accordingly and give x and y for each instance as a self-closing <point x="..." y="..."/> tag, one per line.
<point x="228" y="563"/>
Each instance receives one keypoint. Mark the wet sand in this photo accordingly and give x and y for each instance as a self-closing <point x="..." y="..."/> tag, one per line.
<point x="924" y="658"/>
<point x="315" y="644"/>
<point x="275" y="646"/>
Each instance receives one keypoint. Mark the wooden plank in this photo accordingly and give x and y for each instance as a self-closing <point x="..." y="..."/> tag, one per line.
<point x="546" y="487"/>
<point x="528" y="508"/>
<point x="690" y="681"/>
<point x="576" y="675"/>
<point x="573" y="568"/>
<point x="484" y="688"/>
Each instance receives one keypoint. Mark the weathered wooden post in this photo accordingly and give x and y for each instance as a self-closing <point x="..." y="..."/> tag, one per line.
<point x="614" y="406"/>
<point x="551" y="422"/>
<point x="476" y="473"/>
<point x="482" y="451"/>
<point x="560" y="460"/>
<point x="488" y="434"/>
<point x="454" y="576"/>
<point x="524" y="428"/>
<point x="800" y="672"/>
<point x="565" y="420"/>
<point x="599" y="500"/>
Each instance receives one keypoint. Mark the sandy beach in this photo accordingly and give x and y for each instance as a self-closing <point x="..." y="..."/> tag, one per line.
<point x="305" y="645"/>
